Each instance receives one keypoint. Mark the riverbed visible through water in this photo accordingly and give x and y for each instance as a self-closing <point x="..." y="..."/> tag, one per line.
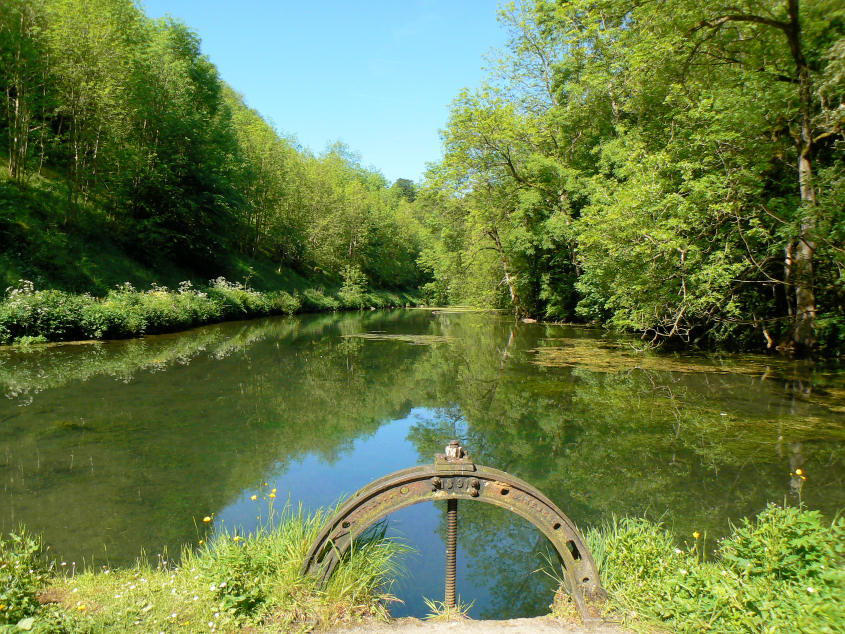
<point x="114" y="448"/>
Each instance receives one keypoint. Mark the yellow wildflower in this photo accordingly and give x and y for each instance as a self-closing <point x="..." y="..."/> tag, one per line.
<point x="696" y="534"/>
<point x="206" y="519"/>
<point x="799" y="471"/>
<point x="272" y="495"/>
<point x="274" y="490"/>
<point x="253" y="497"/>
<point x="200" y="542"/>
<point x="237" y="538"/>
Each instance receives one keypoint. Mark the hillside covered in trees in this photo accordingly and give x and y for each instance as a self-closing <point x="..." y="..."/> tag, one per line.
<point x="674" y="168"/>
<point x="130" y="159"/>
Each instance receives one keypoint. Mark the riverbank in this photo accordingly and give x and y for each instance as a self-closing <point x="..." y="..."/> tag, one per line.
<point x="782" y="571"/>
<point x="28" y="315"/>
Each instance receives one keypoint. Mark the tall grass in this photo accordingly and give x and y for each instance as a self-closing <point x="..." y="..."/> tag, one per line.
<point x="229" y="582"/>
<point x="781" y="572"/>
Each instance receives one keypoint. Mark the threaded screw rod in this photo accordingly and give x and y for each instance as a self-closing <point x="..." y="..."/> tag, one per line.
<point x="451" y="549"/>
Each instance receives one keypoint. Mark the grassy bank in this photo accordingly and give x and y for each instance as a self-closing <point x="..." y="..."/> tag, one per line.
<point x="784" y="571"/>
<point x="30" y="315"/>
<point x="781" y="572"/>
<point x="227" y="583"/>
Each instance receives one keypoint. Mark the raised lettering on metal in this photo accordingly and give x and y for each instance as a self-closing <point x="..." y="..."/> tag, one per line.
<point x="458" y="478"/>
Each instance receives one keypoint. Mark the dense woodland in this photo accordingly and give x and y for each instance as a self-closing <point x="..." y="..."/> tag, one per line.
<point x="671" y="168"/>
<point x="131" y="125"/>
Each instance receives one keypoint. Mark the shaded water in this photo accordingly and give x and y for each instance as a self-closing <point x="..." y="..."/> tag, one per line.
<point x="112" y="448"/>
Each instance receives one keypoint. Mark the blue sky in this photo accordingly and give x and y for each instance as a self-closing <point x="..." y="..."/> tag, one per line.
<point x="378" y="76"/>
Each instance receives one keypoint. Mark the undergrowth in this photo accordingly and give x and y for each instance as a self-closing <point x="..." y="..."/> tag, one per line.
<point x="31" y="316"/>
<point x="784" y="571"/>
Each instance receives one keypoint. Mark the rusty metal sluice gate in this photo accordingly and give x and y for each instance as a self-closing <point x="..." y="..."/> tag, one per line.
<point x="454" y="476"/>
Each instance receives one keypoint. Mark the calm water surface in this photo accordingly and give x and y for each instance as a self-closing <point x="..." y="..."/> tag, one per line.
<point x="116" y="447"/>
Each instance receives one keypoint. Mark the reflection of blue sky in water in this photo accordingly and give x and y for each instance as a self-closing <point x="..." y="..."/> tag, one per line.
<point x="315" y="482"/>
<point x="112" y="448"/>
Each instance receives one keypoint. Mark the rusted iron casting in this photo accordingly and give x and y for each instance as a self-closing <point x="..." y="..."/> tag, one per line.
<point x="452" y="477"/>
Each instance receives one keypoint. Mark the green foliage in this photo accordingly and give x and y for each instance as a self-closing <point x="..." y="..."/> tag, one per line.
<point x="232" y="581"/>
<point x="31" y="316"/>
<point x="638" y="166"/>
<point x="783" y="571"/>
<point x="125" y="146"/>
<point x="22" y="575"/>
<point x="783" y="544"/>
<point x="351" y="293"/>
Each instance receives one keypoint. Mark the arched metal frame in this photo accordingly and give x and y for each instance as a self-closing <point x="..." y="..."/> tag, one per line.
<point x="458" y="479"/>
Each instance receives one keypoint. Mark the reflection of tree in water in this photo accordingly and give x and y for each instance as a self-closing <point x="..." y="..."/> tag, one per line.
<point x="695" y="450"/>
<point x="95" y="460"/>
<point x="205" y="414"/>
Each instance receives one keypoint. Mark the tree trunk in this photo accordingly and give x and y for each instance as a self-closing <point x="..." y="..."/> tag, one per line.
<point x="803" y="335"/>
<point x="494" y="234"/>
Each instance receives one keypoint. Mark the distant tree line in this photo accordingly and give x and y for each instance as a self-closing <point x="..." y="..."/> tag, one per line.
<point x="675" y="168"/>
<point x="135" y="120"/>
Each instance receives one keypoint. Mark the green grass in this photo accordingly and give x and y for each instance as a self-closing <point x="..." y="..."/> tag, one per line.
<point x="781" y="572"/>
<point x="230" y="582"/>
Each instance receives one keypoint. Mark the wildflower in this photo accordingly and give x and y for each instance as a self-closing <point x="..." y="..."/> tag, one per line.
<point x="696" y="534"/>
<point x="811" y="589"/>
<point x="237" y="538"/>
<point x="254" y="497"/>
<point x="799" y="471"/>
<point x="273" y="490"/>
<point x="81" y="607"/>
<point x="272" y="495"/>
<point x="678" y="551"/>
<point x="222" y="585"/>
<point x="2" y="607"/>
<point x="206" y="519"/>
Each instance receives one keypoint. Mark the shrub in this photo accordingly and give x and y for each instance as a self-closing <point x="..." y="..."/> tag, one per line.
<point x="22" y="574"/>
<point x="283" y="302"/>
<point x="315" y="299"/>
<point x="788" y="544"/>
<point x="352" y="293"/>
<point x="783" y="571"/>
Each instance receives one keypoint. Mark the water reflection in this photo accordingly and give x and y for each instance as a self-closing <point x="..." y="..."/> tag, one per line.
<point x="111" y="448"/>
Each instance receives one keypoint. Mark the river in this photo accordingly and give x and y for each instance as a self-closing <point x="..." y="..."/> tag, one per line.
<point x="112" y="449"/>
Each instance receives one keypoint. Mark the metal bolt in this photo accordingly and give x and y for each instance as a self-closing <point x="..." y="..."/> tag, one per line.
<point x="451" y="549"/>
<point x="454" y="450"/>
